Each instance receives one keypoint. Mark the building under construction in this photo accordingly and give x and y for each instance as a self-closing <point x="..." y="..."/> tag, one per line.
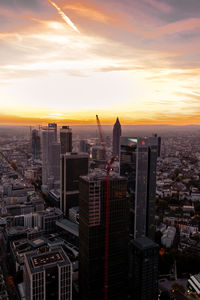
<point x="94" y="271"/>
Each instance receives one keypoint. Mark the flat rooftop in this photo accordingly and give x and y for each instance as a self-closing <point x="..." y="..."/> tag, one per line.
<point x="48" y="258"/>
<point x="53" y="257"/>
<point x="99" y="174"/>
<point x="144" y="243"/>
<point x="68" y="226"/>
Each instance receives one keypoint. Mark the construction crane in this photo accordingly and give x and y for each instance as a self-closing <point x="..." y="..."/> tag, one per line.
<point x="107" y="207"/>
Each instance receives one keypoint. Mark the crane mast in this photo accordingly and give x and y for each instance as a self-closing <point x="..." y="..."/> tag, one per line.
<point x="107" y="208"/>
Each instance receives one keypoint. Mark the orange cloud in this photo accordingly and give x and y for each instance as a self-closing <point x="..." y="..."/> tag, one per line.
<point x="164" y="7"/>
<point x="84" y="119"/>
<point x="91" y="12"/>
<point x="179" y="26"/>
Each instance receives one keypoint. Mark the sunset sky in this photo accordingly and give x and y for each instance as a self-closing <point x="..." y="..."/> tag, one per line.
<point x="69" y="60"/>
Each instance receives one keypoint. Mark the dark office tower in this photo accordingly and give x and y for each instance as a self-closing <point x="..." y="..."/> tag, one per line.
<point x="128" y="158"/>
<point x="66" y="139"/>
<point x="147" y="150"/>
<point x="48" y="276"/>
<point x="36" y="145"/>
<point x="84" y="146"/>
<point x="144" y="269"/>
<point x="116" y="137"/>
<point x="159" y="146"/>
<point x="92" y="237"/>
<point x="138" y="158"/>
<point x="72" y="166"/>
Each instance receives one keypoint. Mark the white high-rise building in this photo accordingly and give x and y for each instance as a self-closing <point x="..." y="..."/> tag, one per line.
<point x="49" y="137"/>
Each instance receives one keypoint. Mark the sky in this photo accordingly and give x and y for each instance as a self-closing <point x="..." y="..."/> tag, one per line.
<point x="68" y="60"/>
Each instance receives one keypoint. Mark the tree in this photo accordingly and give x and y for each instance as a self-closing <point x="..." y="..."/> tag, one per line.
<point x="178" y="287"/>
<point x="165" y="295"/>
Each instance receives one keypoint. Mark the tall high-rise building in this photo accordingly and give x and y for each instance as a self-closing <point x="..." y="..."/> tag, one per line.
<point x="92" y="219"/>
<point x="128" y="159"/>
<point x="49" y="136"/>
<point x="66" y="139"/>
<point x="116" y="137"/>
<point x="144" y="269"/>
<point x="54" y="161"/>
<point x="138" y="159"/>
<point x="53" y="126"/>
<point x="159" y="146"/>
<point x="84" y="146"/>
<point x="48" y="276"/>
<point x="72" y="166"/>
<point x="35" y="144"/>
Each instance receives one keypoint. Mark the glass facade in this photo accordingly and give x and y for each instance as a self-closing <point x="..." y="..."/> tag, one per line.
<point x="144" y="269"/>
<point x="138" y="159"/>
<point x="72" y="167"/>
<point x="92" y="238"/>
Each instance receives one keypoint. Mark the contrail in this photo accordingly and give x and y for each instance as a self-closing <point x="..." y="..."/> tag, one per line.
<point x="65" y="18"/>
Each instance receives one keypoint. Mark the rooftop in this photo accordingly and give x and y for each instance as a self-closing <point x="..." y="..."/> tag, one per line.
<point x="69" y="226"/>
<point x="144" y="243"/>
<point x="99" y="174"/>
<point x="47" y="258"/>
<point x="37" y="262"/>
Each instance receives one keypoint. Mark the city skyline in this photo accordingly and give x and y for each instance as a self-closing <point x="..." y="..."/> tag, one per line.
<point x="70" y="60"/>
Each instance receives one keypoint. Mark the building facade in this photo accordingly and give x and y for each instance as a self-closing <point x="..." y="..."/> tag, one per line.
<point x="35" y="144"/>
<point x="144" y="269"/>
<point x="72" y="166"/>
<point x="117" y="132"/>
<point x="48" y="276"/>
<point x="49" y="136"/>
<point x="66" y="139"/>
<point x="138" y="159"/>
<point x="92" y="267"/>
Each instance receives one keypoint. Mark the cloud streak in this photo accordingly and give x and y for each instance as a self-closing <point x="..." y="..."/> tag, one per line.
<point x="64" y="17"/>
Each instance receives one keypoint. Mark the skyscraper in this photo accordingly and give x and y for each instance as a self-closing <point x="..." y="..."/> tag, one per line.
<point x="66" y="139"/>
<point x="48" y="276"/>
<point x="146" y="187"/>
<point x="49" y="136"/>
<point x="54" y="161"/>
<point x="138" y="159"/>
<point x="128" y="159"/>
<point x="72" y="166"/>
<point x="53" y="126"/>
<point x="116" y="137"/>
<point x="35" y="144"/>
<point x="159" y="146"/>
<point x="84" y="146"/>
<point x="144" y="269"/>
<point x="92" y="237"/>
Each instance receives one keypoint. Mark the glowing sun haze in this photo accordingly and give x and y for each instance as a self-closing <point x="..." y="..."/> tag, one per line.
<point x="68" y="60"/>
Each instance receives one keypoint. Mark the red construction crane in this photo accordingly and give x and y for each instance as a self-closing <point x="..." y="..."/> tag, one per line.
<point x="107" y="208"/>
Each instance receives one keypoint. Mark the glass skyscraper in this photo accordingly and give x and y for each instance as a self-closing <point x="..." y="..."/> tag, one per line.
<point x="138" y="159"/>
<point x="116" y="137"/>
<point x="92" y="217"/>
